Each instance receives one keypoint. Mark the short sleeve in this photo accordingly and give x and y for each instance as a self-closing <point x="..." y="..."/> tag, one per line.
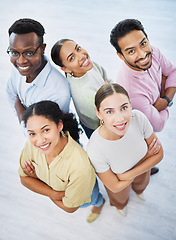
<point x="98" y="161"/>
<point x="80" y="188"/>
<point x="24" y="157"/>
<point x="95" y="150"/>
<point x="145" y="125"/>
<point x="11" y="89"/>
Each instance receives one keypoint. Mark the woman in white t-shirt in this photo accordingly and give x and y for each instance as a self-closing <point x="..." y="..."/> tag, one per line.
<point x="85" y="78"/>
<point x="124" y="148"/>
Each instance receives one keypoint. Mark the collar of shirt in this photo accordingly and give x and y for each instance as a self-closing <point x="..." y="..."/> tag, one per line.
<point x="43" y="75"/>
<point x="68" y="149"/>
<point x="66" y="152"/>
<point x="139" y="73"/>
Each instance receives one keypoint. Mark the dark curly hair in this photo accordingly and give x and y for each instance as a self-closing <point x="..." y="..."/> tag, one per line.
<point x="27" y="25"/>
<point x="122" y="28"/>
<point x="51" y="111"/>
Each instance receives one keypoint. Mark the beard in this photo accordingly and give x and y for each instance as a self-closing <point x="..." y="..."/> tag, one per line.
<point x="144" y="67"/>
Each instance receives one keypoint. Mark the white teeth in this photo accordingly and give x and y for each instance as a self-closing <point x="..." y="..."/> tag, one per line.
<point x="45" y="146"/>
<point x="120" y="126"/>
<point x="86" y="61"/>
<point x="142" y="61"/>
<point x="23" y="68"/>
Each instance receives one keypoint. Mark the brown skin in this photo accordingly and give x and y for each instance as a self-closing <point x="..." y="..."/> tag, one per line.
<point x="34" y="184"/>
<point x="22" y="43"/>
<point x="75" y="59"/>
<point x="19" y="109"/>
<point x="41" y="132"/>
<point x="27" y="42"/>
<point x="137" y="54"/>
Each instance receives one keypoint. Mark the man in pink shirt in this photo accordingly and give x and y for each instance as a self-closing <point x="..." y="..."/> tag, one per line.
<point x="148" y="76"/>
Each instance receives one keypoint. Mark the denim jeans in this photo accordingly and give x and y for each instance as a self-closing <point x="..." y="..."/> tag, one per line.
<point x="96" y="197"/>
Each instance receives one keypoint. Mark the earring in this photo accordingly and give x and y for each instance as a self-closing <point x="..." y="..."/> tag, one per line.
<point x="101" y="122"/>
<point x="63" y="134"/>
<point x="72" y="74"/>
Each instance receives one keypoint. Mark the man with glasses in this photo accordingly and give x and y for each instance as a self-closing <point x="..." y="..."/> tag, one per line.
<point x="34" y="78"/>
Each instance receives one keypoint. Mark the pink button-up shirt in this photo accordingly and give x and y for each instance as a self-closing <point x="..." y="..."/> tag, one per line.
<point x="144" y="87"/>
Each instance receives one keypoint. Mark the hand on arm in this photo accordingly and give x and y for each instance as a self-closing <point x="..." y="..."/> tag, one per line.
<point x="36" y="185"/>
<point x="19" y="109"/>
<point x="33" y="183"/>
<point x="156" y="118"/>
<point x="29" y="169"/>
<point x="153" y="156"/>
<point x="163" y="82"/>
<point x="111" y="181"/>
<point x="169" y="91"/>
<point x="153" y="147"/>
<point x="160" y="104"/>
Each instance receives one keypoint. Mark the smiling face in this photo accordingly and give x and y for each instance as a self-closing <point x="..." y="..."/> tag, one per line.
<point x="115" y="110"/>
<point x="27" y="42"/>
<point x="136" y="50"/>
<point x="44" y="134"/>
<point x="75" y="59"/>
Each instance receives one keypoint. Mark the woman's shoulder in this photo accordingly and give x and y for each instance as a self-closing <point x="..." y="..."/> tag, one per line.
<point x="138" y="117"/>
<point x="77" y="158"/>
<point x="98" y="68"/>
<point x="74" y="149"/>
<point x="94" y="141"/>
<point x="30" y="148"/>
<point x="141" y="121"/>
<point x="96" y="65"/>
<point x="138" y="114"/>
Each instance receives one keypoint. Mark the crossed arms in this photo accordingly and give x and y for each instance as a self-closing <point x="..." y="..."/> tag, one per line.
<point x="117" y="182"/>
<point x="161" y="103"/>
<point x="33" y="183"/>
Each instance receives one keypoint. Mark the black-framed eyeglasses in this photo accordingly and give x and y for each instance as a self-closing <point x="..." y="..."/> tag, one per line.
<point x="27" y="54"/>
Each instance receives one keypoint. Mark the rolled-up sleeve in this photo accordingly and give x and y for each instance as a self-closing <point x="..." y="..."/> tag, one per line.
<point x="168" y="70"/>
<point x="156" y="118"/>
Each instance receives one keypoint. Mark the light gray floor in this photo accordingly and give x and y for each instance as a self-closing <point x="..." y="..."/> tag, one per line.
<point x="26" y="215"/>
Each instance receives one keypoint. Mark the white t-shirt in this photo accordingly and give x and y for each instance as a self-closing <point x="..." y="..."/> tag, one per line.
<point x="122" y="154"/>
<point x="24" y="86"/>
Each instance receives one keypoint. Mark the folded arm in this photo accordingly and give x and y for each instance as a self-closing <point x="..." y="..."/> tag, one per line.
<point x="168" y="83"/>
<point x="162" y="103"/>
<point x="152" y="158"/>
<point x="111" y="181"/>
<point x="156" y="118"/>
<point x="36" y="185"/>
<point x="170" y="92"/>
<point x="19" y="109"/>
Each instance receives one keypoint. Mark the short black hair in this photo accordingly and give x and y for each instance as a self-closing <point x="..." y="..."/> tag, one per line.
<point x="27" y="25"/>
<point x="122" y="28"/>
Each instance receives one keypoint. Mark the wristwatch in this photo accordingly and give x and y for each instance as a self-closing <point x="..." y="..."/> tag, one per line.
<point x="170" y="103"/>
